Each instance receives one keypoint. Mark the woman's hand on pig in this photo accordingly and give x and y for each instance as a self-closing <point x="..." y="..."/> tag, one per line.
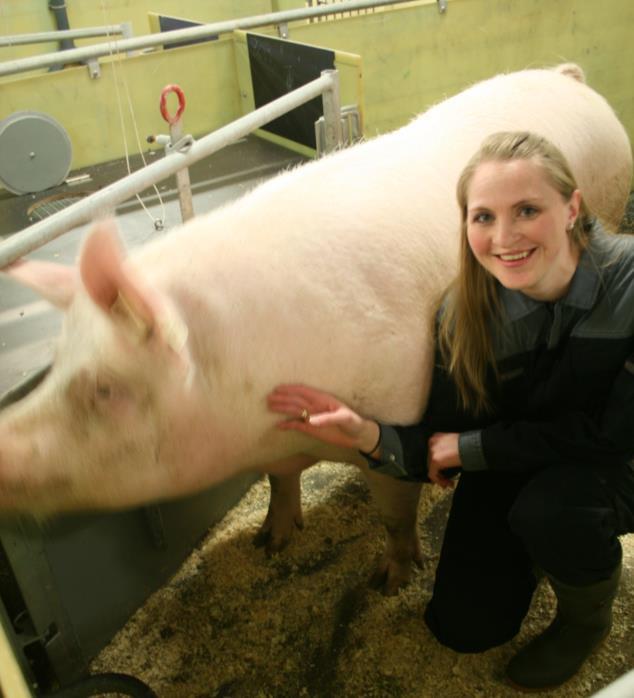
<point x="442" y="453"/>
<point x="323" y="417"/>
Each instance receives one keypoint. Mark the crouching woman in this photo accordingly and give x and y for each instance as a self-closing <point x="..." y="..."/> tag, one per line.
<point x="532" y="400"/>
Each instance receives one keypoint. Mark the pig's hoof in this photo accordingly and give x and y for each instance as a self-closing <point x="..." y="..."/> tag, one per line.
<point x="392" y="575"/>
<point x="387" y="583"/>
<point x="273" y="541"/>
<point x="260" y="538"/>
<point x="271" y="545"/>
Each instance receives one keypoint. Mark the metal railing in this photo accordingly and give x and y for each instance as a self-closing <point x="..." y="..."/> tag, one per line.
<point x="124" y="29"/>
<point x="103" y="201"/>
<point x="204" y="31"/>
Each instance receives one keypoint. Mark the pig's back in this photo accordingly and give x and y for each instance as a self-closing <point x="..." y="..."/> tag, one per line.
<point x="402" y="185"/>
<point x="332" y="270"/>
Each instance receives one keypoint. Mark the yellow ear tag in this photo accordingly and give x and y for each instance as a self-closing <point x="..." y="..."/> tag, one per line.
<point x="174" y="331"/>
<point x="135" y="324"/>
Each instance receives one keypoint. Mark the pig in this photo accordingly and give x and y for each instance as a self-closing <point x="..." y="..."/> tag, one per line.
<point x="328" y="275"/>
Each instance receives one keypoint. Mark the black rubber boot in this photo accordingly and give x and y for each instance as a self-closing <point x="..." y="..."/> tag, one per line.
<point x="583" y="621"/>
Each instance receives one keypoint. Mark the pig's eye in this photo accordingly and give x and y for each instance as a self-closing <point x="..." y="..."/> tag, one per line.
<point x="103" y="392"/>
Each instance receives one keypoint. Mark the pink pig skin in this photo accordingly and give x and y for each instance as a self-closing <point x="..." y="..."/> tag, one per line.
<point x="326" y="275"/>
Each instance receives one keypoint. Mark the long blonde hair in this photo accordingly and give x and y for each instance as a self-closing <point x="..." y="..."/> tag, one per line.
<point x="471" y="307"/>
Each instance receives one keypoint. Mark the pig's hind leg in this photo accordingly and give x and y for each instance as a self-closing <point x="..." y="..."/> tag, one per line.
<point x="397" y="502"/>
<point x="285" y="507"/>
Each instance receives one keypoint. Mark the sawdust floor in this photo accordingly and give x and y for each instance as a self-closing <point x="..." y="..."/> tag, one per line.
<point x="305" y="623"/>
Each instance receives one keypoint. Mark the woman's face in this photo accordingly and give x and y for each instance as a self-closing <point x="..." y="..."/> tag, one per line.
<point x="517" y="228"/>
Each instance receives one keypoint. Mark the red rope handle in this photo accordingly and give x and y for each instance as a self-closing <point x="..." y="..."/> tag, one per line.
<point x="181" y="103"/>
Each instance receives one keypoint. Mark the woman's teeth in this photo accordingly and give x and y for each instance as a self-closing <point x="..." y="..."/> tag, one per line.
<point x="514" y="257"/>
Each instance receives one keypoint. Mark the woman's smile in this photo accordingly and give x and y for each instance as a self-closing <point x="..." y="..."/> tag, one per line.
<point x="515" y="259"/>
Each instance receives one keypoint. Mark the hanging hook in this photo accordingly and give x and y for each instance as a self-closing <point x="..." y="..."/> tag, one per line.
<point x="171" y="120"/>
<point x="180" y="144"/>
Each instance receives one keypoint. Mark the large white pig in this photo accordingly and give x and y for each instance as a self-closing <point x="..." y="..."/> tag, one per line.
<point x="326" y="275"/>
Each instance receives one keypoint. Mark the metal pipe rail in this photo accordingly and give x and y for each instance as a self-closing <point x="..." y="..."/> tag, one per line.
<point x="103" y="201"/>
<point x="83" y="33"/>
<point x="204" y="31"/>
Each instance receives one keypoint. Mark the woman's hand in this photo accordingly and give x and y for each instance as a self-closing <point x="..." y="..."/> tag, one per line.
<point x="442" y="453"/>
<point x="322" y="416"/>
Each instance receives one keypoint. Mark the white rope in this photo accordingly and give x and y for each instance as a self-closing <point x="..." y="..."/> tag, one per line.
<point x="158" y="222"/>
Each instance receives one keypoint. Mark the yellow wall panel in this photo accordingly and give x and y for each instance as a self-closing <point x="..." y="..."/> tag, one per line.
<point x="412" y="57"/>
<point x="415" y="56"/>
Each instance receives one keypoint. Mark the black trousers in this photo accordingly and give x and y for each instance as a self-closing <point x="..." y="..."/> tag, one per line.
<point x="566" y="520"/>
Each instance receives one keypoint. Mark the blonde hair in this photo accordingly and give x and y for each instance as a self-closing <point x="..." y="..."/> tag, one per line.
<point x="471" y="307"/>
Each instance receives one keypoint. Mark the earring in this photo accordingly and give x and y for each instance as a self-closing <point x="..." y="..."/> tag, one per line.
<point x="570" y="226"/>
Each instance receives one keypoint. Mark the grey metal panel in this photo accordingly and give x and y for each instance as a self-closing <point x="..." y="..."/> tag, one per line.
<point x="83" y="576"/>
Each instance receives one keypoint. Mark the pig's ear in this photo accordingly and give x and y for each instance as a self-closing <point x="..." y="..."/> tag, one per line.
<point x="121" y="293"/>
<point x="55" y="282"/>
<point x="114" y="288"/>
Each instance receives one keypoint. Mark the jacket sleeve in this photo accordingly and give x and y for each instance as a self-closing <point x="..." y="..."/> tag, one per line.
<point x="403" y="449"/>
<point x="402" y="453"/>
<point x="573" y="438"/>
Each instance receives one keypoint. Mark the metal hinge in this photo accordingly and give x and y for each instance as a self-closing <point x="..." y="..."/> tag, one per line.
<point x="94" y="69"/>
<point x="350" y="128"/>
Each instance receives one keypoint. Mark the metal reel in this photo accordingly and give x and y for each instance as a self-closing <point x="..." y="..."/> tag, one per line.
<point x="35" y="152"/>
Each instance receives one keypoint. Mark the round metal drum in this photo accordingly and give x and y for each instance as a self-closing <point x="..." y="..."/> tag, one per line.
<point x="35" y="152"/>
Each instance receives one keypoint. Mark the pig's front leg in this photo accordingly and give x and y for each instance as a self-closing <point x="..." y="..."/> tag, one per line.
<point x="285" y="507"/>
<point x="397" y="501"/>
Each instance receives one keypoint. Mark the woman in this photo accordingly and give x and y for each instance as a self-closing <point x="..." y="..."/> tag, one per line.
<point x="532" y="401"/>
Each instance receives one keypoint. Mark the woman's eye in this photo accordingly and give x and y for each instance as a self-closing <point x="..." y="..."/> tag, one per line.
<point x="527" y="211"/>
<point x="482" y="218"/>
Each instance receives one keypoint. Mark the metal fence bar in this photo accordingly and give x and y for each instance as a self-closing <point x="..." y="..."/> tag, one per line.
<point x="204" y="31"/>
<point x="103" y="201"/>
<point x="42" y="37"/>
<point x="332" y="117"/>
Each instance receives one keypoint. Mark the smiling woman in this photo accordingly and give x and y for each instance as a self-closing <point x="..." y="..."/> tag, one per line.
<point x="532" y="398"/>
